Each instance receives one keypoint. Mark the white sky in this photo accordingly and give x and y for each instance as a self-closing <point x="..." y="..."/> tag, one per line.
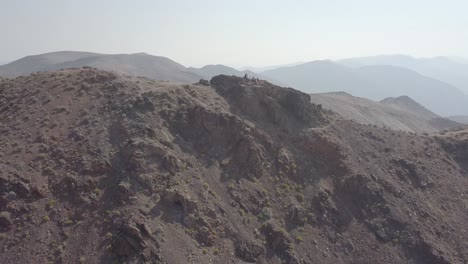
<point x="236" y="33"/>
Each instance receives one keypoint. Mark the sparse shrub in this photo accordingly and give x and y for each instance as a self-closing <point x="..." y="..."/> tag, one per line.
<point x="213" y="194"/>
<point x="116" y="213"/>
<point x="60" y="109"/>
<point x="300" y="197"/>
<point x="68" y="222"/>
<point x="48" y="171"/>
<point x="51" y="203"/>
<point x="242" y="212"/>
<point x="265" y="214"/>
<point x="216" y="251"/>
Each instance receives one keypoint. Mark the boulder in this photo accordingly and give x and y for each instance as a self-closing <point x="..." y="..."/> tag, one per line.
<point x="248" y="251"/>
<point x="5" y="220"/>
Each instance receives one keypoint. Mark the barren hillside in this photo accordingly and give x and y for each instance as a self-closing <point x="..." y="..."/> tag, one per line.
<point x="460" y="119"/>
<point x="138" y="64"/>
<point x="400" y="113"/>
<point x="98" y="167"/>
<point x="409" y="105"/>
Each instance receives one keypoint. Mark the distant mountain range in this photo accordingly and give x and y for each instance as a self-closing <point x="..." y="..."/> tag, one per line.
<point x="374" y="82"/>
<point x="210" y="71"/>
<point x="140" y="64"/>
<point x="401" y="113"/>
<point x="449" y="70"/>
<point x="266" y="68"/>
<point x="436" y="83"/>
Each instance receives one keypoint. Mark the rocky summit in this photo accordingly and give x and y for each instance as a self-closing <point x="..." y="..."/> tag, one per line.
<point x="100" y="167"/>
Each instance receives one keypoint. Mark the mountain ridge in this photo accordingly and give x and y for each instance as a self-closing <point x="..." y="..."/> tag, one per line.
<point x="442" y="68"/>
<point x="140" y="64"/>
<point x="212" y="70"/>
<point x="374" y="82"/>
<point x="365" y="79"/>
<point x="400" y="113"/>
<point x="103" y="167"/>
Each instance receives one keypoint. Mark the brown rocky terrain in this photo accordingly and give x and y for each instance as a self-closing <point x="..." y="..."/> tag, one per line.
<point x="98" y="167"/>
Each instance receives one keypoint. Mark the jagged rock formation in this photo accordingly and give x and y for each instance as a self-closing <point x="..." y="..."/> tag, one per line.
<point x="98" y="167"/>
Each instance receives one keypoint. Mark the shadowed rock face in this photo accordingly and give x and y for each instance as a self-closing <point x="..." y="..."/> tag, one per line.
<point x="103" y="167"/>
<point x="263" y="102"/>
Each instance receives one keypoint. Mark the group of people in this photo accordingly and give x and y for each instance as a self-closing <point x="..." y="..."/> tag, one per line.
<point x="254" y="79"/>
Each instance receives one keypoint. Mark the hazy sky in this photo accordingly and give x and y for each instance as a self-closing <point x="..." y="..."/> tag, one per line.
<point x="236" y="32"/>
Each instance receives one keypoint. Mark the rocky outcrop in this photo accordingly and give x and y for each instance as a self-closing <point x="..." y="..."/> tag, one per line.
<point x="265" y="103"/>
<point x="248" y="251"/>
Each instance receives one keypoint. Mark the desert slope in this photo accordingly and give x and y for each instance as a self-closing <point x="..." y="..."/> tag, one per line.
<point x="460" y="119"/>
<point x="41" y="62"/>
<point x="400" y="113"/>
<point x="440" y="97"/>
<point x="405" y="103"/>
<point x="98" y="167"/>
